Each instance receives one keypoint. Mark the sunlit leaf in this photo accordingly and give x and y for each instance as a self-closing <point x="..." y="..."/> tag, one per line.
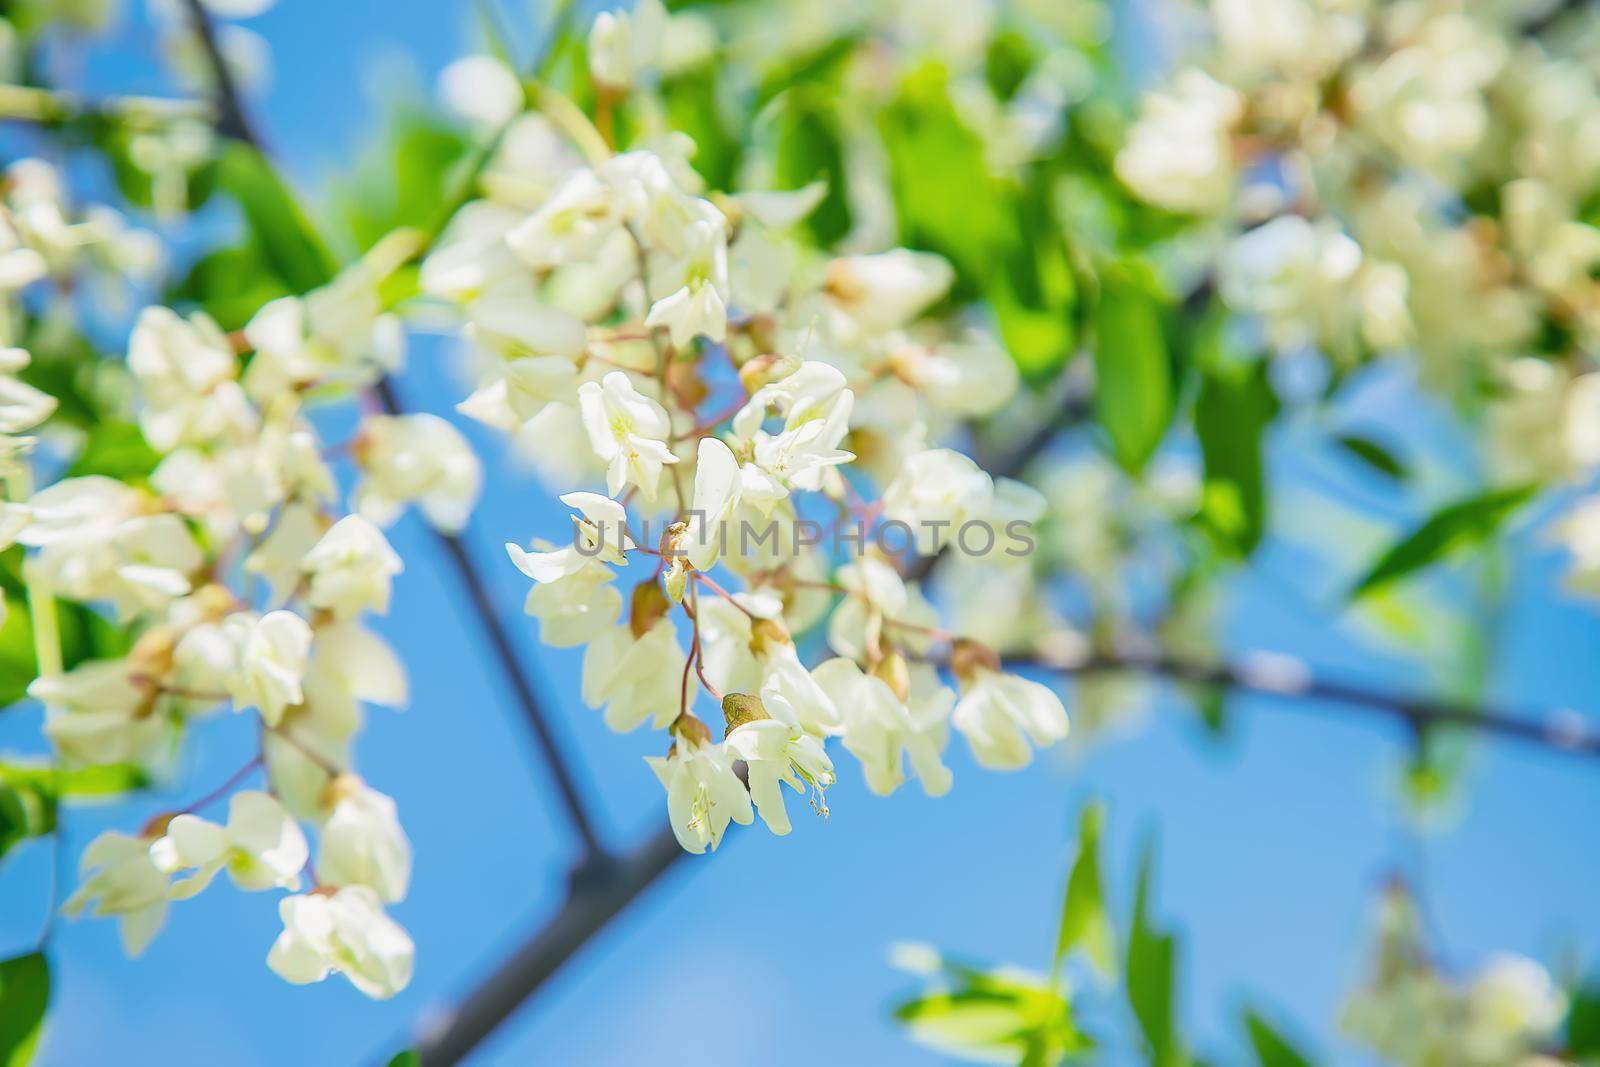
<point x="115" y="450"/>
<point x="1085" y="922"/>
<point x="24" y="996"/>
<point x="1133" y="397"/>
<point x="291" y="248"/>
<point x="1272" y="1048"/>
<point x="1453" y="528"/>
<point x="1151" y="972"/>
<point x="1372" y="454"/>
<point x="1232" y="411"/>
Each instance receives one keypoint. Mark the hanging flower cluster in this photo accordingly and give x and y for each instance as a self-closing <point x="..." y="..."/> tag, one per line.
<point x="247" y="585"/>
<point x="1405" y="178"/>
<point x="1413" y="1014"/>
<point x="726" y="385"/>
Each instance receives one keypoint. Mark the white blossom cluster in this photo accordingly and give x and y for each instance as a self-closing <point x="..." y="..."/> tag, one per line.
<point x="1413" y="1014"/>
<point x="247" y="584"/>
<point x="1404" y="178"/>
<point x="683" y="351"/>
<point x="44" y="237"/>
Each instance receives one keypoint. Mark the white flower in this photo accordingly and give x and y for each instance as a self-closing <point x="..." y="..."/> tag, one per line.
<point x="1298" y="277"/>
<point x="524" y="389"/>
<point x="1000" y="713"/>
<point x="351" y="568"/>
<point x="1425" y="102"/>
<point x="120" y="878"/>
<point x="889" y="289"/>
<point x="1545" y="424"/>
<point x="1178" y="154"/>
<point x="97" y="714"/>
<point x="882" y="731"/>
<point x="703" y="793"/>
<point x="270" y="656"/>
<point x="362" y="842"/>
<point x="576" y="608"/>
<point x="623" y="45"/>
<point x="345" y="931"/>
<point x="1579" y="533"/>
<point x="262" y="847"/>
<point x="1513" y="1005"/>
<point x="339" y="332"/>
<point x="792" y="695"/>
<point x="179" y="363"/>
<point x="481" y="89"/>
<point x="349" y="665"/>
<point x="420" y="458"/>
<point x="277" y="558"/>
<point x="628" y="431"/>
<point x="572" y="226"/>
<point x="600" y="534"/>
<point x="935" y="493"/>
<point x="716" y="493"/>
<point x="697" y="308"/>
<point x="815" y="405"/>
<point x="972" y="376"/>
<point x="22" y="407"/>
<point x="635" y="677"/>
<point x="877" y="596"/>
<point x="780" y="753"/>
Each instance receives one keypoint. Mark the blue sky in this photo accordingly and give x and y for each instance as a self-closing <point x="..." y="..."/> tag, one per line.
<point x="1270" y="844"/>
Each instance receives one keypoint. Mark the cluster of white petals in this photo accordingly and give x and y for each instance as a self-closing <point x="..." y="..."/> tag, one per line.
<point x="246" y="584"/>
<point x="703" y="388"/>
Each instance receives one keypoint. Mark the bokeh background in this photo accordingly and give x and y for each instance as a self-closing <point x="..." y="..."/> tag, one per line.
<point x="1271" y="842"/>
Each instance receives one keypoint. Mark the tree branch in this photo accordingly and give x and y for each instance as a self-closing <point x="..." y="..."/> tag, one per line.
<point x="1290" y="679"/>
<point x="231" y="118"/>
<point x="232" y="121"/>
<point x="472" y="583"/>
<point x="53" y="107"/>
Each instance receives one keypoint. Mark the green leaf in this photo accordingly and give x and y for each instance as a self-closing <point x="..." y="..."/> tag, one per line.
<point x="287" y="241"/>
<point x="24" y="996"/>
<point x="109" y="780"/>
<point x="17" y="664"/>
<point x="117" y="450"/>
<point x="1453" y="528"/>
<point x="808" y="147"/>
<point x="691" y="98"/>
<point x="1085" y="922"/>
<point x="1271" y="1049"/>
<point x="1133" y="397"/>
<point x="1232" y="411"/>
<point x="405" y="179"/>
<point x="231" y="284"/>
<point x="945" y="198"/>
<point x="1151" y="968"/>
<point x="1372" y="454"/>
<point x="408" y="1058"/>
<point x="994" y="1015"/>
<point x="1583" y="1023"/>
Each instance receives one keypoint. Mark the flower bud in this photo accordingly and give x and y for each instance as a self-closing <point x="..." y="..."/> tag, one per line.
<point x="676" y="579"/>
<point x="686" y="384"/>
<point x="968" y="657"/>
<point x="157" y="825"/>
<point x="769" y="635"/>
<point x="215" y="600"/>
<point x="151" y="655"/>
<point x="740" y="708"/>
<point x="691" y="729"/>
<point x="342" y="785"/>
<point x="650" y="605"/>
<point x="766" y="369"/>
<point x="894" y="672"/>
